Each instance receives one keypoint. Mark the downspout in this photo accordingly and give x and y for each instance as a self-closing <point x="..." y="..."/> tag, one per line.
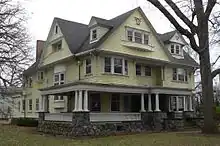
<point x="79" y="64"/>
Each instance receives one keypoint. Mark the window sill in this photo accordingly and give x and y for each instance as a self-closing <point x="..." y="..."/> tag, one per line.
<point x="57" y="101"/>
<point x="182" y="82"/>
<point x="89" y="74"/>
<point x="29" y="111"/>
<point x="139" y="76"/>
<point x="115" y="74"/>
<point x="131" y="44"/>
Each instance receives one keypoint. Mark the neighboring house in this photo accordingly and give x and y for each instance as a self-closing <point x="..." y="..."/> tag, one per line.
<point x="114" y="69"/>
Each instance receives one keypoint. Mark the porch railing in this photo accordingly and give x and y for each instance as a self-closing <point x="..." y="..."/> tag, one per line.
<point x="58" y="117"/>
<point x="114" y="117"/>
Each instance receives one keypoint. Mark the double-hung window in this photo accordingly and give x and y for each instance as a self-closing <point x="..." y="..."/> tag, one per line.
<point x="175" y="49"/>
<point x="146" y="39"/>
<point x="19" y="106"/>
<point x="94" y="34"/>
<point x="40" y="75"/>
<point x="172" y="50"/>
<point x="130" y="35"/>
<point x="180" y="74"/>
<point x="116" y="65"/>
<point x="147" y="71"/>
<point x="176" y="103"/>
<point x="30" y="104"/>
<point x="115" y="102"/>
<point x="23" y="105"/>
<point x="88" y="66"/>
<point x="138" y="69"/>
<point x="37" y="104"/>
<point x="59" y="78"/>
<point x="138" y="37"/>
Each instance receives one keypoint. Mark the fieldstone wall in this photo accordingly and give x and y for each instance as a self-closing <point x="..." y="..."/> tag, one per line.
<point x="92" y="129"/>
<point x="174" y="124"/>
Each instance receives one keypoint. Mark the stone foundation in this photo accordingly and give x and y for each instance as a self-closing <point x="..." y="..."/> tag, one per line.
<point x="92" y="129"/>
<point x="174" y="124"/>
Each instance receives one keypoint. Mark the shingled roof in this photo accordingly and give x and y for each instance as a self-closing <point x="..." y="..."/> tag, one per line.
<point x="167" y="36"/>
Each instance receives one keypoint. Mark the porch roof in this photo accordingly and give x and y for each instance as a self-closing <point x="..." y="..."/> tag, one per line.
<point x="120" y="88"/>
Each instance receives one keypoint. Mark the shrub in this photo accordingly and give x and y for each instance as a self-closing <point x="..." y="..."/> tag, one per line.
<point x="27" y="122"/>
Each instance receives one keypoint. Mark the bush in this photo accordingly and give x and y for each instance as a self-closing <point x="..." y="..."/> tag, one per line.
<point x="27" y="122"/>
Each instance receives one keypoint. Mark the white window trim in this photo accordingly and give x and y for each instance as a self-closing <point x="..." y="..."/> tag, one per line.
<point x="112" y="65"/>
<point x="143" y="69"/>
<point x="177" y="77"/>
<point x="39" y="77"/>
<point x="30" y="104"/>
<point x="133" y="35"/>
<point x="37" y="103"/>
<point x="59" y="81"/>
<point x="91" y="33"/>
<point x="180" y="49"/>
<point x="177" y="98"/>
<point x="88" y="65"/>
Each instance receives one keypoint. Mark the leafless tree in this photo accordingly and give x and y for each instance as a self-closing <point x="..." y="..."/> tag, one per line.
<point x="15" y="53"/>
<point x="194" y="25"/>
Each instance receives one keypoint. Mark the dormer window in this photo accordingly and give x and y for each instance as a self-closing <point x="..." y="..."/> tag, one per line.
<point x="94" y="34"/>
<point x="56" y="29"/>
<point x="175" y="49"/>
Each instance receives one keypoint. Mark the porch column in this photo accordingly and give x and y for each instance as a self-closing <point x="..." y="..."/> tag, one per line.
<point x="46" y="103"/>
<point x="184" y="103"/>
<point x="42" y="103"/>
<point x="85" y="100"/>
<point x="80" y="101"/>
<point x="142" y="103"/>
<point x="76" y="101"/>
<point x="157" y="106"/>
<point x="149" y="103"/>
<point x="190" y="103"/>
<point x="177" y="103"/>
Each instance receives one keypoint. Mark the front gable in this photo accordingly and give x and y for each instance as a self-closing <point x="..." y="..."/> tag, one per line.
<point x="50" y="54"/>
<point x="115" y="42"/>
<point x="177" y="38"/>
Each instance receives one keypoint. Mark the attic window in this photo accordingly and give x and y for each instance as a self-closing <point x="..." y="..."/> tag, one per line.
<point x="57" y="46"/>
<point x="137" y="36"/>
<point x="56" y="29"/>
<point x="94" y="35"/>
<point x="175" y="49"/>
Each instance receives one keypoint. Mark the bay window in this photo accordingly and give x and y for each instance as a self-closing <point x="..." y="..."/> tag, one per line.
<point x="115" y="65"/>
<point x="180" y="74"/>
<point x="59" y="78"/>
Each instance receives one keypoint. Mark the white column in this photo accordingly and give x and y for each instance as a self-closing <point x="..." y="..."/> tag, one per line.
<point x="85" y="100"/>
<point x="184" y="103"/>
<point x="142" y="103"/>
<point x="190" y="103"/>
<point x="76" y="101"/>
<point x="42" y="103"/>
<point x="157" y="105"/>
<point x="149" y="103"/>
<point x="80" y="101"/>
<point x="177" y="103"/>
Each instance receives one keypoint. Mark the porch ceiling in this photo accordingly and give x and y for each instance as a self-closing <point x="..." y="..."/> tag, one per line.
<point x="116" y="88"/>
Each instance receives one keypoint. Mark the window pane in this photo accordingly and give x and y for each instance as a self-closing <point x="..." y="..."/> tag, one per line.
<point x="23" y="105"/>
<point x="61" y="97"/>
<point x="138" y="69"/>
<point x="147" y="71"/>
<point x="130" y="35"/>
<point x="172" y="49"/>
<point x="94" y="34"/>
<point x="30" y="104"/>
<point x="174" y="74"/>
<point x="62" y="77"/>
<point x="95" y="102"/>
<point x="117" y="65"/>
<point x="146" y="39"/>
<point x="56" y="97"/>
<point x="37" y="104"/>
<point x="88" y="66"/>
<point x="180" y="77"/>
<point x="126" y="67"/>
<point x="181" y="106"/>
<point x="177" y="49"/>
<point x="56" y="77"/>
<point x="115" y="102"/>
<point x="107" y="64"/>
<point x="138" y="37"/>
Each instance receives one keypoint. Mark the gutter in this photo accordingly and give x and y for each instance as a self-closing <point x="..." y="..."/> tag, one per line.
<point x="85" y="52"/>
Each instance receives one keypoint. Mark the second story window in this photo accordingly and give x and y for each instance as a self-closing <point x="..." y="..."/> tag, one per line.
<point x="88" y="66"/>
<point x="37" y="104"/>
<point x="147" y="71"/>
<point x="40" y="75"/>
<point x="116" y="65"/>
<point x="57" y="46"/>
<point x="138" y="69"/>
<point x="180" y="74"/>
<point x="59" y="78"/>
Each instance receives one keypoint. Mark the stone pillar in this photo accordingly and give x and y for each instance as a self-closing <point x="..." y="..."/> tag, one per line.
<point x="85" y="100"/>
<point x="81" y="118"/>
<point x="76" y="101"/>
<point x="142" y="103"/>
<point x="190" y="103"/>
<point x="149" y="103"/>
<point x="80" y="101"/>
<point x="157" y="104"/>
<point x="177" y="103"/>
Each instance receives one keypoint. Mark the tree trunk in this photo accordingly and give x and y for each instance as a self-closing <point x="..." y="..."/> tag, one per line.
<point x="206" y="79"/>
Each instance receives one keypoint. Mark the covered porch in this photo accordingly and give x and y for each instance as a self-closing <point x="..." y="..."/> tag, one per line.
<point x="106" y="103"/>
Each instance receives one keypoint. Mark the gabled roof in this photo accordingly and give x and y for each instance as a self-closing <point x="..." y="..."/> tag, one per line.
<point x="101" y="21"/>
<point x="167" y="36"/>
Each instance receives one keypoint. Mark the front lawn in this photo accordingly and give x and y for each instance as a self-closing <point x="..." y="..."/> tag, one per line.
<point x="20" y="136"/>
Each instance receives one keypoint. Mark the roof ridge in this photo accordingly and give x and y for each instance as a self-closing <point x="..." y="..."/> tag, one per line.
<point x="57" y="18"/>
<point x="125" y="13"/>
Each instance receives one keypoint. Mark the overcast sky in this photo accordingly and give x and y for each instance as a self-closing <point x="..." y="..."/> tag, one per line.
<point x="42" y="12"/>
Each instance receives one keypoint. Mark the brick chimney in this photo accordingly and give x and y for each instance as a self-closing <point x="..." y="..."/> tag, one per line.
<point x="39" y="48"/>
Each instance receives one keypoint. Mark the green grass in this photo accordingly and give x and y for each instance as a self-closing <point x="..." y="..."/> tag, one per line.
<point x="20" y="136"/>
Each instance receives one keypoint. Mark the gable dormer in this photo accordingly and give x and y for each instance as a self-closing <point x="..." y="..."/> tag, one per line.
<point x="175" y="43"/>
<point x="98" y="28"/>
